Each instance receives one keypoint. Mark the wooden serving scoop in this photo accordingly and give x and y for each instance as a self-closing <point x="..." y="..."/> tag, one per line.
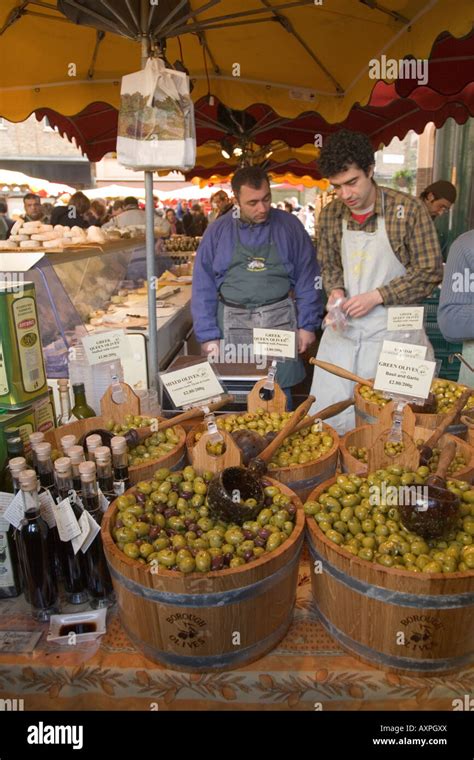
<point x="196" y="411"/>
<point x="230" y="489"/>
<point x="426" y="451"/>
<point x="341" y="372"/>
<point x="436" y="511"/>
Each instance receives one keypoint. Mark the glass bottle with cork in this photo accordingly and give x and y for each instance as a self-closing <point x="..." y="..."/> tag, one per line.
<point x="77" y="456"/>
<point x="118" y="444"/>
<point x="99" y="582"/>
<point x="67" y="441"/>
<point x="65" y="415"/>
<point x="37" y="548"/>
<point x="93" y="442"/>
<point x="81" y="409"/>
<point x="35" y="440"/>
<point x="10" y="567"/>
<point x="72" y="565"/>
<point x="103" y="461"/>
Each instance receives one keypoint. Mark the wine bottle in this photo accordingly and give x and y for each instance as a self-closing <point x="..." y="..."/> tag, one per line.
<point x="77" y="456"/>
<point x="64" y="402"/>
<point x="72" y="565"/>
<point x="103" y="461"/>
<point x="10" y="569"/>
<point x="118" y="445"/>
<point x="81" y="410"/>
<point x="38" y="551"/>
<point x="15" y="449"/>
<point x="48" y="483"/>
<point x="99" y="582"/>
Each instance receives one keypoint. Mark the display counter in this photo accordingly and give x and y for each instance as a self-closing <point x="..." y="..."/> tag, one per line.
<point x="306" y="668"/>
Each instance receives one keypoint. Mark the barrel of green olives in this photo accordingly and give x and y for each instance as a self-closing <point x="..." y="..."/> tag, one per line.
<point x="207" y="621"/>
<point x="302" y="462"/>
<point x="409" y="614"/>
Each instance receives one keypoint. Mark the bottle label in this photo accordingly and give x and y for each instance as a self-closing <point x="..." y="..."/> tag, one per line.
<point x="47" y="508"/>
<point x="119" y="487"/>
<point x="103" y="501"/>
<point x="13" y="508"/>
<point x="4" y="389"/>
<point x="67" y="524"/>
<point x="7" y="579"/>
<point x="80" y="540"/>
<point x="94" y="529"/>
<point x="29" y="344"/>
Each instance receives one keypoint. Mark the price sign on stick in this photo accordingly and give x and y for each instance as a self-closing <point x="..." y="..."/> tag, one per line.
<point x="403" y="350"/>
<point x="405" y="318"/>
<point x="277" y="344"/>
<point x="404" y="377"/>
<point x="193" y="385"/>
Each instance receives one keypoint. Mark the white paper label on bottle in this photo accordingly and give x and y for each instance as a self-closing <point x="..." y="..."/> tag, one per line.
<point x="47" y="508"/>
<point x="14" y="508"/>
<point x="94" y="530"/>
<point x="7" y="579"/>
<point x="405" y="318"/>
<point x="103" y="501"/>
<point x="119" y="487"/>
<point x="66" y="521"/>
<point x="79" y="541"/>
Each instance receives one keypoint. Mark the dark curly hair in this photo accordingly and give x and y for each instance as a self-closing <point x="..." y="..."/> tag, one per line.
<point x="344" y="148"/>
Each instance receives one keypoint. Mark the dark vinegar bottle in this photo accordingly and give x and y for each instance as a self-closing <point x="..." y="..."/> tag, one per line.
<point x="10" y="567"/>
<point x="77" y="456"/>
<point x="72" y="565"/>
<point x="99" y="582"/>
<point x="45" y="471"/>
<point x="119" y="448"/>
<point x="37" y="548"/>
<point x="105" y="478"/>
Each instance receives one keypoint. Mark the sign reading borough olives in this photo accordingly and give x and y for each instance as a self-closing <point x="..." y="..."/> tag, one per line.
<point x="192" y="385"/>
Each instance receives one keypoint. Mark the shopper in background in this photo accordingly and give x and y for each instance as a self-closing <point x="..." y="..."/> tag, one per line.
<point x="244" y="271"/>
<point x="199" y="222"/>
<point x="456" y="301"/>
<point x="182" y="209"/>
<point x="377" y="248"/>
<point x="439" y="197"/>
<point x="74" y="214"/>
<point x="5" y="222"/>
<point x="116" y="208"/>
<point x="97" y="214"/>
<point x="221" y="204"/>
<point x="33" y="209"/>
<point x="176" y="226"/>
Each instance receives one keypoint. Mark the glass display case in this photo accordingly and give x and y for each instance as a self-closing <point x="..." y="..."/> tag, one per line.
<point x="72" y="284"/>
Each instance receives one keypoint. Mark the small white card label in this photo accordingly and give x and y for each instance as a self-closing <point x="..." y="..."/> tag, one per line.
<point x="277" y="344"/>
<point x="94" y="530"/>
<point x="406" y="377"/>
<point x="103" y="501"/>
<point x="78" y="542"/>
<point x="105" y="347"/>
<point x="192" y="385"/>
<point x="68" y="527"/>
<point x="47" y="508"/>
<point x="12" y="508"/>
<point x="405" y="318"/>
<point x="404" y="350"/>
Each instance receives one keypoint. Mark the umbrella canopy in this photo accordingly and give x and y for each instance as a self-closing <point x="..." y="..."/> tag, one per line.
<point x="18" y="179"/>
<point x="392" y="110"/>
<point x="290" y="55"/>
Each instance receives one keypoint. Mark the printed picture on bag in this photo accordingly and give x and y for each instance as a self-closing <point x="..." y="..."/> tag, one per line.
<point x="163" y="120"/>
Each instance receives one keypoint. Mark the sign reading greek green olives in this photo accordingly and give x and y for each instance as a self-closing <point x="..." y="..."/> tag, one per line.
<point x="404" y="377"/>
<point x="106" y="347"/>
<point x="276" y="344"/>
<point x="405" y="318"/>
<point x="192" y="385"/>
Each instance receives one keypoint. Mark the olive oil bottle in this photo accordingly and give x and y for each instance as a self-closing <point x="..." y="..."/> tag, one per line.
<point x="81" y="410"/>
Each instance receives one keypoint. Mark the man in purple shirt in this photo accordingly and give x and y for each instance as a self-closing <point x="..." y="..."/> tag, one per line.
<point x="256" y="267"/>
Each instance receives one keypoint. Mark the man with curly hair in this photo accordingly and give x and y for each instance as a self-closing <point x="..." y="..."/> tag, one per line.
<point x="377" y="248"/>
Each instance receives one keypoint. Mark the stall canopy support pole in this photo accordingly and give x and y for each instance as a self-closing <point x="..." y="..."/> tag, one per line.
<point x="150" y="240"/>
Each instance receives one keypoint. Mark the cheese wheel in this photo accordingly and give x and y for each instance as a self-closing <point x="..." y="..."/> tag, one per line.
<point x="19" y="238"/>
<point x="17" y="227"/>
<point x="78" y="232"/>
<point x="78" y="240"/>
<point x="56" y="242"/>
<point x="31" y="245"/>
<point x="60" y="229"/>
<point x="8" y="245"/>
<point x="45" y="236"/>
<point x="46" y="228"/>
<point x="30" y="228"/>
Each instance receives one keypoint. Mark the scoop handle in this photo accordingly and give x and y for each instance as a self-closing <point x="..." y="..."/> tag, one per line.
<point x="448" y="419"/>
<point x="297" y="415"/>
<point x="325" y="414"/>
<point x="341" y="372"/>
<point x="446" y="457"/>
<point x="194" y="412"/>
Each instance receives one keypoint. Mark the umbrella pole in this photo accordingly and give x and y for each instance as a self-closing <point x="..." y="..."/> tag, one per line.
<point x="150" y="246"/>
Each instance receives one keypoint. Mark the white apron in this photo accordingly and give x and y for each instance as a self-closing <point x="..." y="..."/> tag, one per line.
<point x="368" y="263"/>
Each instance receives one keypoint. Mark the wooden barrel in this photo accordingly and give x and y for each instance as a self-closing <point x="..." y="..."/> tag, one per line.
<point x="204" y="622"/>
<point x="468" y="420"/>
<point x="174" y="459"/>
<point x="416" y="623"/>
<point x="301" y="478"/>
<point x="462" y="447"/>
